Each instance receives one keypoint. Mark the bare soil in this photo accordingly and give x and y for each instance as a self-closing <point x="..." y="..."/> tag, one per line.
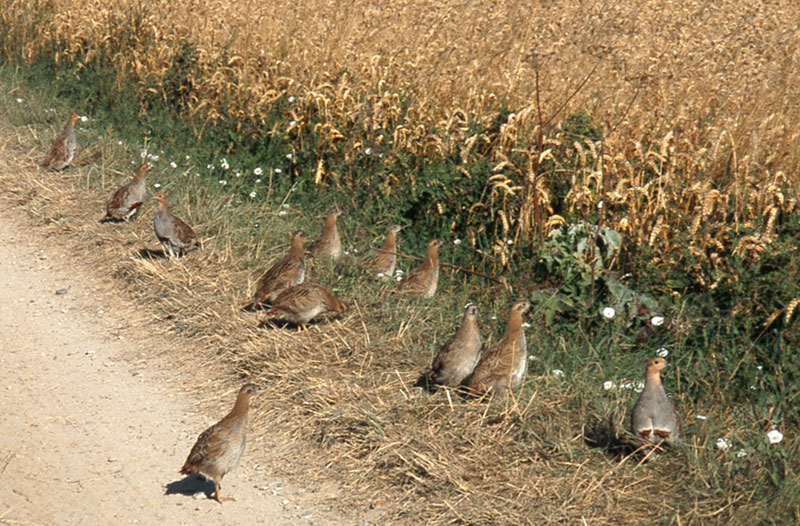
<point x="94" y="424"/>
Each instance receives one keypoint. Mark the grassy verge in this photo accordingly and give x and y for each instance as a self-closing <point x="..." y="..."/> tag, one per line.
<point x="346" y="388"/>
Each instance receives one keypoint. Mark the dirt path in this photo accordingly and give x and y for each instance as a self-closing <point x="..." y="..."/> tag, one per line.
<point x="87" y="435"/>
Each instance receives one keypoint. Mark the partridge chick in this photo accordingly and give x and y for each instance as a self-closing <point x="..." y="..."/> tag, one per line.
<point x="329" y="243"/>
<point x="287" y="272"/>
<point x="219" y="448"/>
<point x="459" y="356"/>
<point x="304" y="302"/>
<point x="385" y="261"/>
<point x="126" y="201"/>
<point x="175" y="236"/>
<point x="503" y="366"/>
<point x="422" y="280"/>
<point x="63" y="148"/>
<point x="654" y="418"/>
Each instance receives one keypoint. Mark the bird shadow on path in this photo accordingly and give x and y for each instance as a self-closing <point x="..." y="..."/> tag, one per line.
<point x="278" y="323"/>
<point x="190" y="486"/>
<point x="150" y="253"/>
<point x="605" y="434"/>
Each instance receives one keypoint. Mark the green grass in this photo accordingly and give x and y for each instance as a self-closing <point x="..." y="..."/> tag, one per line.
<point x="725" y="363"/>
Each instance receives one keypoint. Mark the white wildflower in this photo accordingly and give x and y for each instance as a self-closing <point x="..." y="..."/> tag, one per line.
<point x="237" y="174"/>
<point x="662" y="352"/>
<point x="143" y="154"/>
<point x="639" y="387"/>
<point x="760" y="367"/>
<point x="84" y="118"/>
<point x="368" y="150"/>
<point x="510" y="241"/>
<point x="608" y="385"/>
<point x="381" y="275"/>
<point x="456" y="241"/>
<point x="223" y="182"/>
<point x="173" y="164"/>
<point x="252" y="194"/>
<point x="119" y="142"/>
<point x="557" y="372"/>
<point x="188" y="157"/>
<point x="292" y="123"/>
<point x="157" y="185"/>
<point x="724" y="444"/>
<point x="657" y="321"/>
<point x="277" y="170"/>
<point x="526" y="325"/>
<point x="600" y="204"/>
<point x="258" y="180"/>
<point x="355" y="250"/>
<point x="282" y="212"/>
<point x="741" y="453"/>
<point x="608" y="313"/>
<point x="289" y="156"/>
<point x="258" y="171"/>
<point x="700" y="417"/>
<point x="291" y="98"/>
<point x="399" y="278"/>
<point x="224" y="164"/>
<point x="19" y="101"/>
<point x="774" y="436"/>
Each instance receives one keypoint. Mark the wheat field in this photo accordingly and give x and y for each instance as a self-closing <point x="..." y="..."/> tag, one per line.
<point x="695" y="100"/>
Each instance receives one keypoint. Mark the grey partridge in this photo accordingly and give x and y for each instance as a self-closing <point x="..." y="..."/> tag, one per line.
<point x="503" y="366"/>
<point x="329" y="243"/>
<point x="386" y="259"/>
<point x="287" y="272"/>
<point x="422" y="280"/>
<point x="304" y="302"/>
<point x="459" y="356"/>
<point x="175" y="236"/>
<point x="63" y="148"/>
<point x="126" y="201"/>
<point x="654" y="419"/>
<point x="219" y="448"/>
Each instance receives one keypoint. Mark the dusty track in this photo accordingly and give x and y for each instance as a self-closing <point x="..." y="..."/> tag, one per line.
<point x="91" y="434"/>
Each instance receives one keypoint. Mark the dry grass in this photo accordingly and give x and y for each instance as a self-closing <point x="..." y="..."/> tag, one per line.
<point x="340" y="401"/>
<point x="695" y="98"/>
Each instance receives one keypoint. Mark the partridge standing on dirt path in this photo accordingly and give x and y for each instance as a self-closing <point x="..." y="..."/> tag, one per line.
<point x="329" y="243"/>
<point x="422" y="280"/>
<point x="654" y="418"/>
<point x="219" y="448"/>
<point x="126" y="201"/>
<point x="386" y="259"/>
<point x="304" y="302"/>
<point x="459" y="356"/>
<point x="287" y="272"/>
<point x="175" y="236"/>
<point x="502" y="367"/>
<point x="63" y="148"/>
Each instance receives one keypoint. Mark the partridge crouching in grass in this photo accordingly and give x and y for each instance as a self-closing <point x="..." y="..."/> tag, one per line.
<point x="287" y="272"/>
<point x="654" y="419"/>
<point x="329" y="243"/>
<point x="175" y="236"/>
<point x="304" y="302"/>
<point x="422" y="280"/>
<point x="63" y="148"/>
<point x="126" y="201"/>
<point x="459" y="356"/>
<point x="386" y="259"/>
<point x="502" y="367"/>
<point x="219" y="448"/>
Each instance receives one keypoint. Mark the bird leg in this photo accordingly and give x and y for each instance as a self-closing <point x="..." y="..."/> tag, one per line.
<point x="219" y="498"/>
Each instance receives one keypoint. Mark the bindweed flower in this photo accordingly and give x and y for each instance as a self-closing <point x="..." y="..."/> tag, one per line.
<point x="258" y="180"/>
<point x="399" y="278"/>
<point x="282" y="212"/>
<point x="291" y="98"/>
<point x="258" y="171"/>
<point x="173" y="164"/>
<point x="741" y="453"/>
<point x="600" y="205"/>
<point x="224" y="164"/>
<point x="510" y="241"/>
<point x="456" y="241"/>
<point x="657" y="321"/>
<point x="289" y="156"/>
<point x="608" y="313"/>
<point x="557" y="372"/>
<point x="292" y="123"/>
<point x="700" y="417"/>
<point x="157" y="185"/>
<point x="608" y="385"/>
<point x="277" y="170"/>
<point x="774" y="436"/>
<point x="381" y="275"/>
<point x="662" y="352"/>
<point x="223" y="182"/>
<point x="724" y="444"/>
<point x="252" y="194"/>
<point x="84" y="118"/>
<point x="19" y="101"/>
<point x="526" y="325"/>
